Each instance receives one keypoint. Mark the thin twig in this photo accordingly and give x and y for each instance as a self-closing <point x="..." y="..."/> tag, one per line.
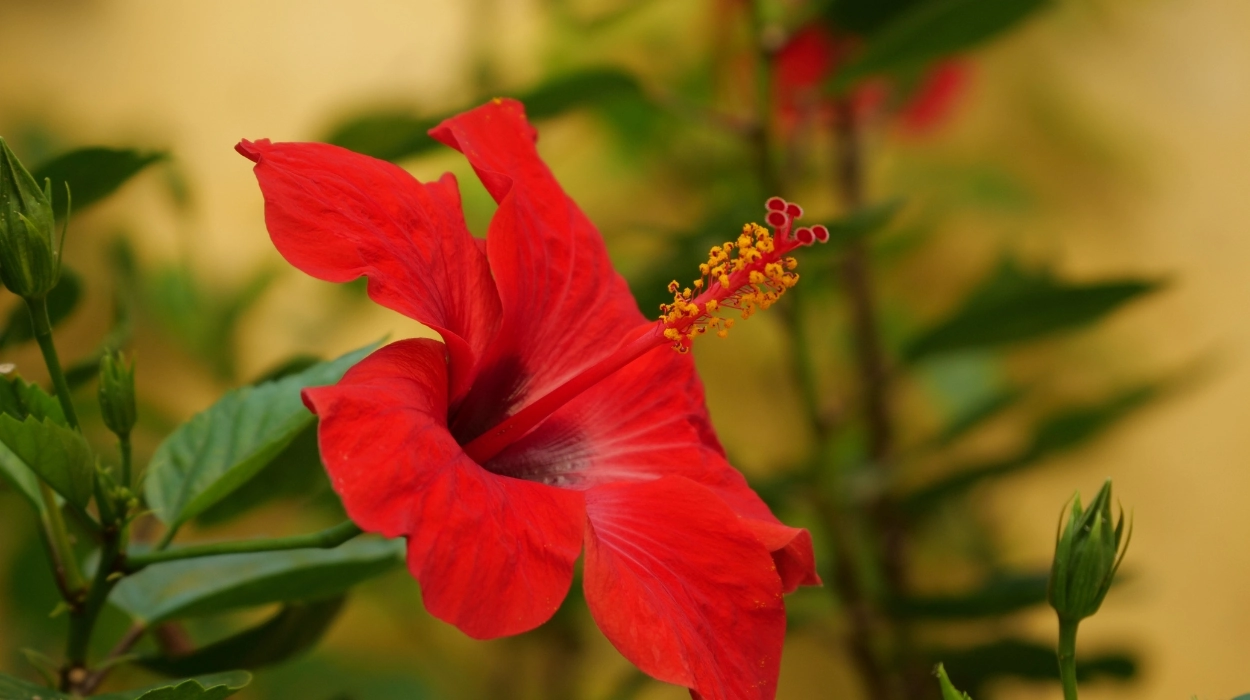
<point x="325" y="539"/>
<point x="119" y="650"/>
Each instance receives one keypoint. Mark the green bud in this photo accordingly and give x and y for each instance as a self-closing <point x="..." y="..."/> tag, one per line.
<point x="117" y="393"/>
<point x="1088" y="553"/>
<point x="29" y="255"/>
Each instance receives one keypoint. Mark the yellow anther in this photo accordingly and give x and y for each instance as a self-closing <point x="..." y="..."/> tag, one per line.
<point x="749" y="262"/>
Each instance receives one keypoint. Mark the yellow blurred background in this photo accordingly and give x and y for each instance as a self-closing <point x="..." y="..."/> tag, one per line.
<point x="1155" y="92"/>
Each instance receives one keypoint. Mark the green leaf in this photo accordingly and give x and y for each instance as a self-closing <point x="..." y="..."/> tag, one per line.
<point x="211" y="687"/>
<point x="863" y="223"/>
<point x="398" y="134"/>
<point x="973" y="668"/>
<point x="17" y="689"/>
<point x="988" y="408"/>
<point x="214" y="687"/>
<point x="20" y="400"/>
<point x="223" y="447"/>
<point x="866" y="16"/>
<point x="92" y="174"/>
<point x="999" y="596"/>
<point x="57" y="454"/>
<point x="934" y="29"/>
<point x="1063" y="430"/>
<point x="21" y="478"/>
<point x="949" y="691"/>
<point x="296" y="472"/>
<point x="295" y="629"/>
<point x="208" y="585"/>
<point x="61" y="301"/>
<point x="330" y="676"/>
<point x="1015" y="306"/>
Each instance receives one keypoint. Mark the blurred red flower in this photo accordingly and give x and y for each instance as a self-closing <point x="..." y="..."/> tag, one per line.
<point x="550" y="418"/>
<point x="804" y="64"/>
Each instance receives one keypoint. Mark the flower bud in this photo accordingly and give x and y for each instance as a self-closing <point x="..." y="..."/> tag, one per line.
<point x="1088" y="553"/>
<point x="29" y="257"/>
<point x="117" y="393"/>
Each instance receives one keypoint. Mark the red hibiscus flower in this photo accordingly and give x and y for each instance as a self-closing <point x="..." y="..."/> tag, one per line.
<point x="553" y="417"/>
<point x="810" y="57"/>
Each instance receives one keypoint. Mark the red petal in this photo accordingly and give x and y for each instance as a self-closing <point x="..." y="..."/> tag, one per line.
<point x="647" y="421"/>
<point x="564" y="307"/>
<point x="338" y="215"/>
<point x="494" y="555"/>
<point x="682" y="590"/>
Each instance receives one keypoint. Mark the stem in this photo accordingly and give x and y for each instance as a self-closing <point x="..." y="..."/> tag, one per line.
<point x="326" y="539"/>
<point x="124" y="445"/>
<point x="82" y="623"/>
<point x="64" y="563"/>
<point x="43" y="334"/>
<point x="1067" y="656"/>
<point x="123" y="646"/>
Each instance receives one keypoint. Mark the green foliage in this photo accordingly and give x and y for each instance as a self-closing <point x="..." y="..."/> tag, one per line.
<point x="62" y="301"/>
<point x="1001" y="595"/>
<point x="296" y="472"/>
<point x="210" y="687"/>
<point x="201" y="318"/>
<point x="204" y="586"/>
<point x="18" y="401"/>
<point x="296" y="628"/>
<point x="932" y="29"/>
<point x="1064" y="429"/>
<point x="948" y="691"/>
<point x="972" y="668"/>
<point x="1015" y="306"/>
<point x="978" y="414"/>
<point x="395" y="135"/>
<point x="213" y="687"/>
<point x="93" y="173"/>
<point x="57" y="454"/>
<point x="866" y="16"/>
<point x="223" y="447"/>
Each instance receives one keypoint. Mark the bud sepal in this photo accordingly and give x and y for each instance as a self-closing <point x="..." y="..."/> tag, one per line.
<point x="30" y="253"/>
<point x="1088" y="552"/>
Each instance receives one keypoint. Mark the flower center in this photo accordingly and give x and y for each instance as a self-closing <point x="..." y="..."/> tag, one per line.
<point x="744" y="275"/>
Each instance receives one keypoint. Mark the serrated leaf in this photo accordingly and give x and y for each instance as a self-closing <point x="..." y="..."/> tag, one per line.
<point x="61" y="301"/>
<point x="211" y="687"/>
<point x="972" y="668"/>
<point x="92" y="173"/>
<point x="295" y="629"/>
<point x="208" y="585"/>
<point x="933" y="29"/>
<point x="214" y="687"/>
<point x="998" y="596"/>
<point x="20" y="400"/>
<point x="949" y="692"/>
<point x="223" y="447"/>
<point x="398" y="134"/>
<point x="1062" y="430"/>
<point x="57" y="454"/>
<point x="1014" y="306"/>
